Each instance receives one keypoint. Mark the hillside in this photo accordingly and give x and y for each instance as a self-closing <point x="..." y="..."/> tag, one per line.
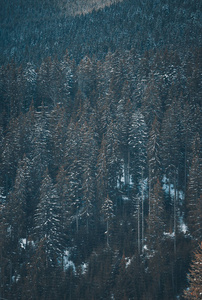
<point x="32" y="32"/>
<point x="100" y="150"/>
<point x="73" y="7"/>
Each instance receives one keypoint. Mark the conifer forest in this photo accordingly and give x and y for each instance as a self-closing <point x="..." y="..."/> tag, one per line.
<point x="100" y="150"/>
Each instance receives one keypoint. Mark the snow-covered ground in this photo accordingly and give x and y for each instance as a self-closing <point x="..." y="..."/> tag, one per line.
<point x="68" y="263"/>
<point x="169" y="189"/>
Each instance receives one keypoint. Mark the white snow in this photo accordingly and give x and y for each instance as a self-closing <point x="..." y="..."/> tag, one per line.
<point x="67" y="262"/>
<point x="168" y="234"/>
<point x="23" y="243"/>
<point x="9" y="229"/>
<point x="145" y="247"/>
<point x="15" y="279"/>
<point x="182" y="226"/>
<point x="30" y="73"/>
<point x="166" y="186"/>
<point x="84" y="268"/>
<point x="128" y="261"/>
<point x="125" y="198"/>
<point x="123" y="175"/>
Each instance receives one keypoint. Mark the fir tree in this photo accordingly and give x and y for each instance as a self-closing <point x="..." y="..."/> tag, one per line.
<point x="194" y="290"/>
<point x="194" y="193"/>
<point x="47" y="221"/>
<point x="108" y="213"/>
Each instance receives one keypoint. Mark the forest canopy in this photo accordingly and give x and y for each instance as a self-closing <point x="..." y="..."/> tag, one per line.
<point x="100" y="150"/>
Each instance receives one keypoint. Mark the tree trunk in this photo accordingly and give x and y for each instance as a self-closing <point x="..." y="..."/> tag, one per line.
<point x="138" y="225"/>
<point x="142" y="196"/>
<point x="107" y="233"/>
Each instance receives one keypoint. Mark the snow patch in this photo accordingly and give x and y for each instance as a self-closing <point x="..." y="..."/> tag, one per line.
<point x="23" y="243"/>
<point x="182" y="226"/>
<point x="169" y="188"/>
<point x="145" y="247"/>
<point x="128" y="261"/>
<point x="15" y="278"/>
<point x="125" y="198"/>
<point x="84" y="268"/>
<point x="67" y="262"/>
<point x="170" y="235"/>
<point x="122" y="179"/>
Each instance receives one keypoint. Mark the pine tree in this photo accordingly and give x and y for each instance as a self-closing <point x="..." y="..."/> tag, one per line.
<point x="136" y="201"/>
<point x="14" y="227"/>
<point x="40" y="154"/>
<point x="187" y="135"/>
<point x="30" y="76"/>
<point x="108" y="213"/>
<point x="152" y="106"/>
<point x="194" y="193"/>
<point x="18" y="201"/>
<point x="44" y="84"/>
<point x="89" y="155"/>
<point x="88" y="195"/>
<point x="13" y="90"/>
<point x="63" y="202"/>
<point x="102" y="174"/>
<point x="113" y="157"/>
<point x="153" y="156"/>
<point x="37" y="274"/>
<point x="155" y="222"/>
<point x="11" y="152"/>
<point x="172" y="158"/>
<point x="74" y="169"/>
<point x="86" y="76"/>
<point x="195" y="277"/>
<point x="123" y="117"/>
<point x="171" y="152"/>
<point x="42" y="281"/>
<point x="138" y="143"/>
<point x="47" y="221"/>
<point x="58" y="129"/>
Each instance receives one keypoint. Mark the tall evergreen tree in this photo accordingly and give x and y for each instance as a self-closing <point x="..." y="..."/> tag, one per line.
<point x="108" y="213"/>
<point x="138" y="143"/>
<point x="153" y="156"/>
<point x="47" y="221"/>
<point x="113" y="157"/>
<point x="194" y="192"/>
<point x="102" y="173"/>
<point x="155" y="221"/>
<point x="194" y="290"/>
<point x="89" y="153"/>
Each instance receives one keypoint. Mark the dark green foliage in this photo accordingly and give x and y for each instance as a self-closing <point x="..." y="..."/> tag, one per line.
<point x="100" y="157"/>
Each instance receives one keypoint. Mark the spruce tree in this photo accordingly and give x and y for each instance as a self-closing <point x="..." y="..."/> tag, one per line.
<point x="194" y="291"/>
<point x="47" y="221"/>
<point x="194" y="188"/>
<point x="108" y="214"/>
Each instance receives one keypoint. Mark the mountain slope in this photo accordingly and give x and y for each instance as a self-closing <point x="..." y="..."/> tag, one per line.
<point x="73" y="7"/>
<point x="30" y="33"/>
<point x="100" y="148"/>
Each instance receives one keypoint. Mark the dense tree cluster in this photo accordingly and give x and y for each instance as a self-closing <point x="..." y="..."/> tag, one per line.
<point x="37" y="30"/>
<point x="100" y="189"/>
